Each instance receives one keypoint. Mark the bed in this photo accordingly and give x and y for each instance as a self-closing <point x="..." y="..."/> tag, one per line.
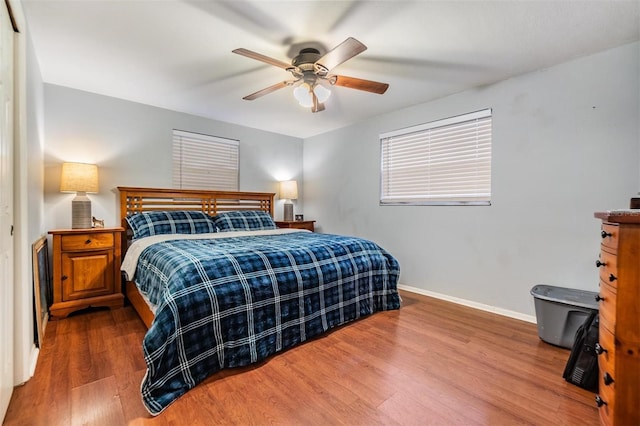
<point x="219" y="286"/>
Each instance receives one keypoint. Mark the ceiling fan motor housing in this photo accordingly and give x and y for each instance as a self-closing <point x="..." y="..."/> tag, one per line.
<point x="306" y="59"/>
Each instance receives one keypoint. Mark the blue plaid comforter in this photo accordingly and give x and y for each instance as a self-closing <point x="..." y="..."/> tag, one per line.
<point x="234" y="301"/>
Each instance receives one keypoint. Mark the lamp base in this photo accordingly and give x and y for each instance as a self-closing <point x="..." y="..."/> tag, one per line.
<point x="288" y="212"/>
<point x="81" y="212"/>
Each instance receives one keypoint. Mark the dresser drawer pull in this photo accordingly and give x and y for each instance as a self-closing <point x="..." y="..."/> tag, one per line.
<point x="88" y="242"/>
<point x="599" y="298"/>
<point x="600" y="402"/>
<point x="599" y="264"/>
<point x="612" y="278"/>
<point x="606" y="234"/>
<point x="599" y="349"/>
<point x="607" y="379"/>
<point x="64" y="277"/>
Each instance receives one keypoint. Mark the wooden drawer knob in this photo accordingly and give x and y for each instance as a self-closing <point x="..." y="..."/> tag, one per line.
<point x="599" y="349"/>
<point x="607" y="379"/>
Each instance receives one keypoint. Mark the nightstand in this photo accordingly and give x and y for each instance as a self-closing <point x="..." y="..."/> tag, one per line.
<point x="86" y="269"/>
<point x="297" y="224"/>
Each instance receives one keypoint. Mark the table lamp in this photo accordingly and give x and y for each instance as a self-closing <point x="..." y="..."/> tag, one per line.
<point x="288" y="192"/>
<point x="80" y="178"/>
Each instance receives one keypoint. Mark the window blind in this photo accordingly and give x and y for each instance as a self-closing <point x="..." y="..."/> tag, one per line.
<point x="205" y="162"/>
<point x="442" y="162"/>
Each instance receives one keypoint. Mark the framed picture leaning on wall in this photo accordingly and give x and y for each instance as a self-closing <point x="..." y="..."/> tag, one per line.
<point x="41" y="288"/>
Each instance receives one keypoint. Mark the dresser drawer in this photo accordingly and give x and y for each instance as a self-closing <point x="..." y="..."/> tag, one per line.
<point x="607" y="409"/>
<point x="610" y="235"/>
<point x="606" y="359"/>
<point x="607" y="307"/>
<point x="90" y="241"/>
<point x="609" y="268"/>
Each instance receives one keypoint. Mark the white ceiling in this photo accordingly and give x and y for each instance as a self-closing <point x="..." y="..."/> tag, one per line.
<point x="177" y="54"/>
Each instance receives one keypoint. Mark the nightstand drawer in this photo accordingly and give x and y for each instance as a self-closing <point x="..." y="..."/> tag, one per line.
<point x="297" y="224"/>
<point x="90" y="241"/>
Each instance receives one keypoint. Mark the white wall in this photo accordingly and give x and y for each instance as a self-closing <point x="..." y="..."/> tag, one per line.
<point x="131" y="144"/>
<point x="565" y="144"/>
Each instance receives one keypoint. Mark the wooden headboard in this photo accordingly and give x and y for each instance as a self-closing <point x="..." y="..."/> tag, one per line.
<point x="137" y="200"/>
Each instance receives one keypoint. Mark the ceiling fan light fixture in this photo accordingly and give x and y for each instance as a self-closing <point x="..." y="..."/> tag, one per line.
<point x="302" y="93"/>
<point x="322" y="93"/>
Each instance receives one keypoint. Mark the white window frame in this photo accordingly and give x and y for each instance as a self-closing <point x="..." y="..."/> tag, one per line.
<point x="444" y="162"/>
<point x="205" y="162"/>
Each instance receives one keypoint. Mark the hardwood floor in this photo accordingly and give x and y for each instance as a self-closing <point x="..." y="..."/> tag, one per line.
<point x="431" y="362"/>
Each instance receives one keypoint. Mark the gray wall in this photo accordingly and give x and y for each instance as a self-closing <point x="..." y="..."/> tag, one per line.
<point x="28" y="197"/>
<point x="131" y="144"/>
<point x="35" y="139"/>
<point x="565" y="144"/>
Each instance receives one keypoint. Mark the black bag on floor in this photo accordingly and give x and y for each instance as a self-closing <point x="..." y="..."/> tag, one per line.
<point x="582" y="366"/>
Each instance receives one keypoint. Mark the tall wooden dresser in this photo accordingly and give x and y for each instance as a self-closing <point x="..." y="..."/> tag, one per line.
<point x="618" y="350"/>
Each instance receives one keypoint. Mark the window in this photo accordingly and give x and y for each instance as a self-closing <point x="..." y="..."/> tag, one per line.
<point x="204" y="162"/>
<point x="445" y="162"/>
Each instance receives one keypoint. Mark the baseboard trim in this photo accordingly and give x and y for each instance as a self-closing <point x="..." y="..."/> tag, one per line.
<point x="35" y="354"/>
<point x="469" y="303"/>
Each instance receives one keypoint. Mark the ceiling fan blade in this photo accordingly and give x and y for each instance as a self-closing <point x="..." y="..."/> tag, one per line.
<point x="263" y="58"/>
<point x="339" y="54"/>
<point x="268" y="90"/>
<point x="360" y="84"/>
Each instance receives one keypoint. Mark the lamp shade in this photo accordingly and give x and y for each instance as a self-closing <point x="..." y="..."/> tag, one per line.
<point x="302" y="94"/>
<point x="79" y="177"/>
<point x="322" y="93"/>
<point x="289" y="190"/>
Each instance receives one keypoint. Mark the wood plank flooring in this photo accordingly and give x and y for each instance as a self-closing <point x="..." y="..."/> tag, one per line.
<point x="431" y="362"/>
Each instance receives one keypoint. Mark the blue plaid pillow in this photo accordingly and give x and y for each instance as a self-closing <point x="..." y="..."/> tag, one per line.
<point x="170" y="222"/>
<point x="244" y="220"/>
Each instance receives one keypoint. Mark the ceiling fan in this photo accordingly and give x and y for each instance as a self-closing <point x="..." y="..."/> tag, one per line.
<point x="311" y="73"/>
